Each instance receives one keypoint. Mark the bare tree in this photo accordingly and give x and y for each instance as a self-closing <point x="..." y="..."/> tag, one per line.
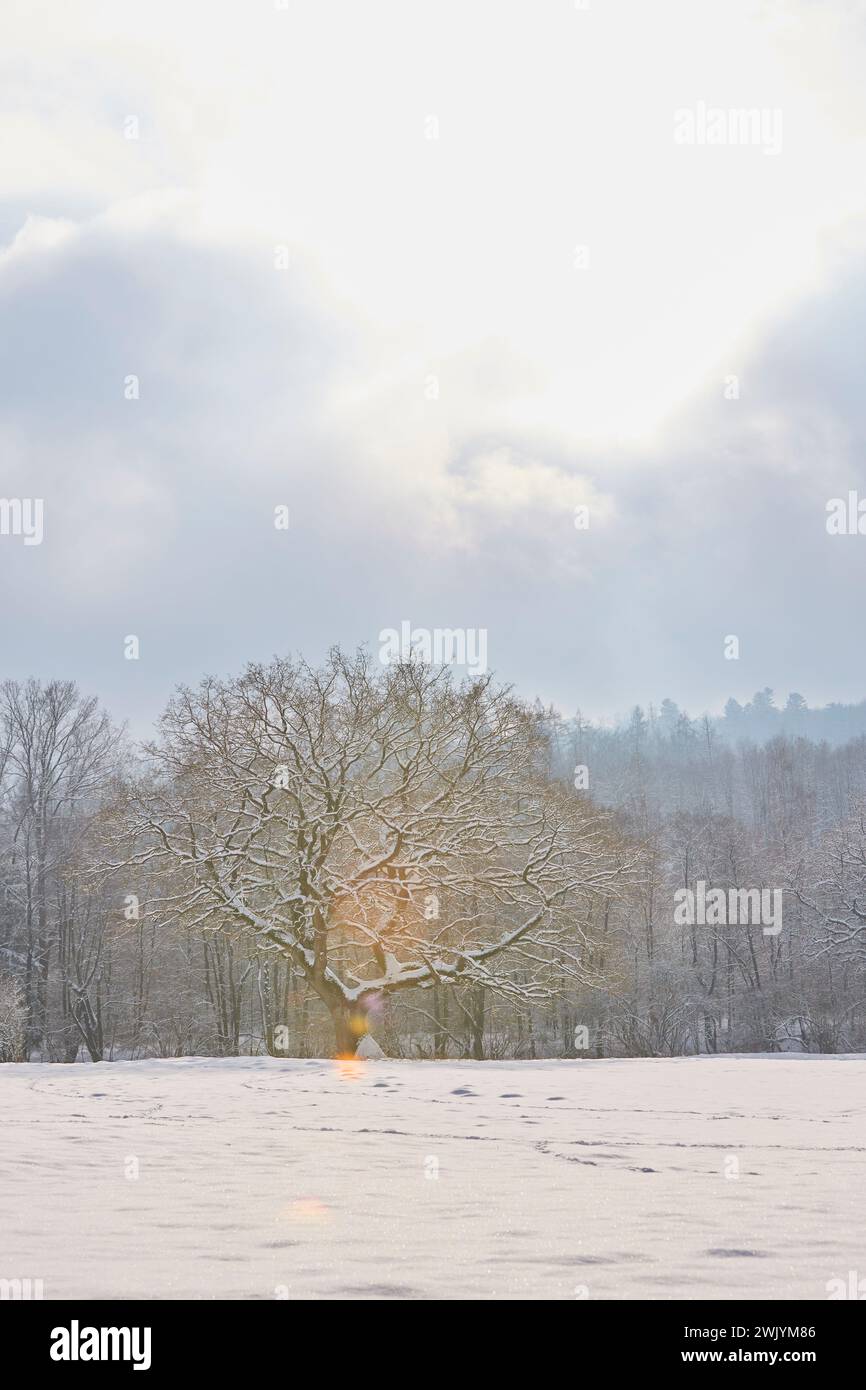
<point x="13" y="1018"/>
<point x="58" y="753"/>
<point x="384" y="830"/>
<point x="831" y="886"/>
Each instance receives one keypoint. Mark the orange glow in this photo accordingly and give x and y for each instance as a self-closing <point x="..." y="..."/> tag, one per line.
<point x="307" y="1210"/>
<point x="349" y="1067"/>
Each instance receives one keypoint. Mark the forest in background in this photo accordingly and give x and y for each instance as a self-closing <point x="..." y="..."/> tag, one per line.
<point x="137" y="919"/>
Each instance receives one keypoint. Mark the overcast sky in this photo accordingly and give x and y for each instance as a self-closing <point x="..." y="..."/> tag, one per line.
<point x="511" y="290"/>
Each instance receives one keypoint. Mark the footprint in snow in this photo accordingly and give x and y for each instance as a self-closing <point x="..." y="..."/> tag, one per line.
<point x="463" y="1091"/>
<point x="739" y="1254"/>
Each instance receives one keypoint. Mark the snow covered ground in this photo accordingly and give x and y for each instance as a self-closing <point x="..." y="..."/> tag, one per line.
<point x="260" y="1178"/>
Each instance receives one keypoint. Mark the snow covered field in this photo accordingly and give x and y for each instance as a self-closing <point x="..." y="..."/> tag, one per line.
<point x="261" y="1178"/>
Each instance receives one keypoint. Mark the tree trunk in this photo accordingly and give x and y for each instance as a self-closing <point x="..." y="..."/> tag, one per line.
<point x="478" y="1023"/>
<point x="345" y="1035"/>
<point x="440" y="1013"/>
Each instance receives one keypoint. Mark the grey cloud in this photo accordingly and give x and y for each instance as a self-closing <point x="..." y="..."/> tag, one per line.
<point x="159" y="511"/>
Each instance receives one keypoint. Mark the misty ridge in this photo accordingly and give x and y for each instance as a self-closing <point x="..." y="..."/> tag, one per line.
<point x="384" y="857"/>
<point x="663" y="757"/>
<point x="754" y="721"/>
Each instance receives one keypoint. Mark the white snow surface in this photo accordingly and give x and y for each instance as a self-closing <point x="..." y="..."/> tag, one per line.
<point x="263" y="1178"/>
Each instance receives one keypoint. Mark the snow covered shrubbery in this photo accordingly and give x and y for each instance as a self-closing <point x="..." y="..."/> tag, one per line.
<point x="11" y="1020"/>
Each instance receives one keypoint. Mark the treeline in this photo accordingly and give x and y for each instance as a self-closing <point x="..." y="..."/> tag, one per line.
<point x="786" y="814"/>
<point x="761" y="719"/>
<point x="297" y="827"/>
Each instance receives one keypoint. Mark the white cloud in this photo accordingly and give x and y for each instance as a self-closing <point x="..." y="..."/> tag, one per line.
<point x="413" y="260"/>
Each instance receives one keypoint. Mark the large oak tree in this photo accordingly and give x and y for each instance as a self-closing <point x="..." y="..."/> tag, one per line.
<point x="385" y="828"/>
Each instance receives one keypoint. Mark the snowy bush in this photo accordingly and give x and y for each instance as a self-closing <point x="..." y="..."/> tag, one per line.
<point x="11" y="1020"/>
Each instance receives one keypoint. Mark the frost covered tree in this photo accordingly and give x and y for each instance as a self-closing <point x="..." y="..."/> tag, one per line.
<point x="13" y="1015"/>
<point x="59" y="753"/>
<point x="384" y="829"/>
<point x="831" y="885"/>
